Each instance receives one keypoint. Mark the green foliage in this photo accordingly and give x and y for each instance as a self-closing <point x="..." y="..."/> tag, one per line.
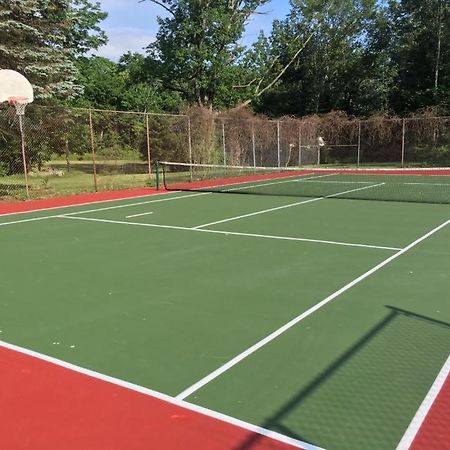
<point x="421" y="50"/>
<point x="42" y="38"/>
<point x="197" y="48"/>
<point x="128" y="85"/>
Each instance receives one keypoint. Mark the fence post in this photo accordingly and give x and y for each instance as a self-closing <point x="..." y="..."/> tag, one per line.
<point x="403" y="143"/>
<point x="278" y="144"/>
<point x="253" y="145"/>
<point x="359" y="143"/>
<point x="224" y="144"/>
<point x="94" y="165"/>
<point x="147" y="125"/>
<point x="299" y="146"/>
<point x="190" y="146"/>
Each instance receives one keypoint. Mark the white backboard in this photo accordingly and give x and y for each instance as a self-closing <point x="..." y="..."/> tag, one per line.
<point x="14" y="84"/>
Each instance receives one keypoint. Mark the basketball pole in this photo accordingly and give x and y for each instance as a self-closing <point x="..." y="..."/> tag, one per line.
<point x="24" y="157"/>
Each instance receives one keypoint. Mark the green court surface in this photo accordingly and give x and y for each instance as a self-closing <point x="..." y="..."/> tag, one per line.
<point x="162" y="291"/>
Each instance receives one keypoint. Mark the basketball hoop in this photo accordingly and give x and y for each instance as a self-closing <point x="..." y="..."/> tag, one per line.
<point x="20" y="103"/>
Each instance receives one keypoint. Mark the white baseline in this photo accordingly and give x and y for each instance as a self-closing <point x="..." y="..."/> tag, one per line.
<point x="155" y="394"/>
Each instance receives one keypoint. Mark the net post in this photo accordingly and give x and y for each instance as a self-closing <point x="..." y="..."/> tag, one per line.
<point x="147" y="126"/>
<point x="158" y="174"/>
<point x="94" y="165"/>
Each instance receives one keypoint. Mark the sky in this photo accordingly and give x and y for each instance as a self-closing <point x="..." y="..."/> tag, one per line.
<point x="131" y="25"/>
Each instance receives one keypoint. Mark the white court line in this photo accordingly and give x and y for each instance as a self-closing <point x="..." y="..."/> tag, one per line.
<point x="28" y="220"/>
<point x="338" y="182"/>
<point x="298" y="179"/>
<point x="237" y="359"/>
<point x="290" y="205"/>
<point x="425" y="407"/>
<point x="139" y="215"/>
<point x="103" y="209"/>
<point x="429" y="184"/>
<point x="232" y="233"/>
<point x="159" y="395"/>
<point x="139" y="203"/>
<point x="88" y="203"/>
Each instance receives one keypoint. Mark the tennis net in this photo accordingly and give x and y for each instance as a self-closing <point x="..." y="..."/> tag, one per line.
<point x="402" y="185"/>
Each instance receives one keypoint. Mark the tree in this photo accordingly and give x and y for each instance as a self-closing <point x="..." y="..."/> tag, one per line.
<point x="127" y="85"/>
<point x="421" y="50"/>
<point x="42" y="39"/>
<point x="314" y="54"/>
<point x="197" y="47"/>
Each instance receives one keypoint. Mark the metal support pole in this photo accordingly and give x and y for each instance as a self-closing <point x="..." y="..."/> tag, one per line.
<point x="149" y="161"/>
<point x="299" y="146"/>
<point x="191" y="175"/>
<point x="403" y="142"/>
<point x="224" y="144"/>
<point x="94" y="165"/>
<point x="158" y="175"/>
<point x="359" y="144"/>
<point x="24" y="157"/>
<point x="278" y="144"/>
<point x="254" y="145"/>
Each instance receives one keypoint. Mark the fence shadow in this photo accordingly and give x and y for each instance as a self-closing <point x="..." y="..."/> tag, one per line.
<point x="274" y="422"/>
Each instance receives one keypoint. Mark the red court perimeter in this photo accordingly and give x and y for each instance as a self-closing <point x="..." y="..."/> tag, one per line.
<point x="47" y="406"/>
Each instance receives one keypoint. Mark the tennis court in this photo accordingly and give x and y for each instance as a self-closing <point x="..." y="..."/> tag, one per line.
<point x="310" y="318"/>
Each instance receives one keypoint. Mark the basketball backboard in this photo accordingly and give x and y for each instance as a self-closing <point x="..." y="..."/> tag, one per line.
<point x="14" y="86"/>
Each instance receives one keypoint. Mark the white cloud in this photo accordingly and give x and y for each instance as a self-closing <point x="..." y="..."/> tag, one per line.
<point x="124" y="39"/>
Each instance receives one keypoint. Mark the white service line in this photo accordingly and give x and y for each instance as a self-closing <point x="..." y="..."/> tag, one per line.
<point x="237" y="359"/>
<point x="428" y="184"/>
<point x="232" y="233"/>
<point x="425" y="407"/>
<point x="297" y="179"/>
<point x="355" y="190"/>
<point x="264" y="211"/>
<point x="159" y="395"/>
<point x="139" y="215"/>
<point x="277" y="208"/>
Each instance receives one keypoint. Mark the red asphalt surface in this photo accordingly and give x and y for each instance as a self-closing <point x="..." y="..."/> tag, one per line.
<point x="44" y="406"/>
<point x="48" y="407"/>
<point x="434" y="434"/>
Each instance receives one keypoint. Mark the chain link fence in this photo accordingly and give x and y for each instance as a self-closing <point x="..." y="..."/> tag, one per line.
<point x="70" y="151"/>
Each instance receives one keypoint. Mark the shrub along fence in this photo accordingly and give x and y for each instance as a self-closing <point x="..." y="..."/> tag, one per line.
<point x="71" y="150"/>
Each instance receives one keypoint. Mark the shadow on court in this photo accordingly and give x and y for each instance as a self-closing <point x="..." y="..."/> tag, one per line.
<point x="369" y="394"/>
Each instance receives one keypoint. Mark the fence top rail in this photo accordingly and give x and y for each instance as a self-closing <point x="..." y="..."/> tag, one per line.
<point x="350" y="121"/>
<point x="114" y="111"/>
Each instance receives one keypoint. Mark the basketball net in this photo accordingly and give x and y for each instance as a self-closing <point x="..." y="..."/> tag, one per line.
<point x="20" y="103"/>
